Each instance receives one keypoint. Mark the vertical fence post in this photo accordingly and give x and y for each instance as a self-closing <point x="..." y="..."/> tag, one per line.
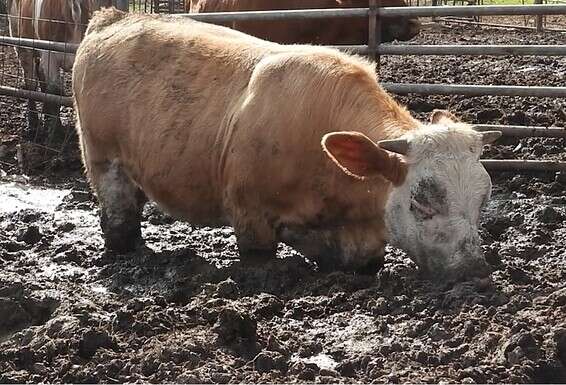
<point x="372" y="21"/>
<point x="123" y="5"/>
<point x="539" y="18"/>
<point x="434" y="3"/>
<point x="374" y="30"/>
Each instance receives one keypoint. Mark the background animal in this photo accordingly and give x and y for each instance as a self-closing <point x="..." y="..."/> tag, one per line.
<point x="221" y="128"/>
<point x="55" y="20"/>
<point x="332" y="31"/>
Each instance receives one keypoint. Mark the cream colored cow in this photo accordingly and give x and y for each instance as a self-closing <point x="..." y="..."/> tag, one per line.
<point x="221" y="128"/>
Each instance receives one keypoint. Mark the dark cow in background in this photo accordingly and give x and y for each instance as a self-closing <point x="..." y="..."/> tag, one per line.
<point x="332" y="31"/>
<point x="55" y="20"/>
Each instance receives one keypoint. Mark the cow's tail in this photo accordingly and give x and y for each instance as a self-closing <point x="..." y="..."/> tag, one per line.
<point x="76" y="11"/>
<point x="103" y="18"/>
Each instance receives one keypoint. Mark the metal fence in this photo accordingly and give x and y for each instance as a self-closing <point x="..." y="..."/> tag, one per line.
<point x="374" y="49"/>
<point x="39" y="74"/>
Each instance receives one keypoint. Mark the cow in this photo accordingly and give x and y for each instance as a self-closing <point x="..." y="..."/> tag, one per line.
<point x="285" y="143"/>
<point x="330" y="31"/>
<point x="55" y="20"/>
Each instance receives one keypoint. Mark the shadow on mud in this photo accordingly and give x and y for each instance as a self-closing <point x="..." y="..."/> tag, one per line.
<point x="185" y="308"/>
<point x="178" y="275"/>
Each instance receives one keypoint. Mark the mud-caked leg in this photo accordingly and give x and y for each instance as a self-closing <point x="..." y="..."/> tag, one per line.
<point x="121" y="205"/>
<point x="351" y="247"/>
<point x="317" y="245"/>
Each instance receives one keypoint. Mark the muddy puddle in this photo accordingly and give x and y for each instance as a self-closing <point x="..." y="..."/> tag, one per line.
<point x="16" y="196"/>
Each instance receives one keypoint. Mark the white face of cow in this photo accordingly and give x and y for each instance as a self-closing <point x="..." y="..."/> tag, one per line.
<point x="439" y="189"/>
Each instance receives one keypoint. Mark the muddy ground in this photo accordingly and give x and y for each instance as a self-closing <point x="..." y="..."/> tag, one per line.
<point x="186" y="310"/>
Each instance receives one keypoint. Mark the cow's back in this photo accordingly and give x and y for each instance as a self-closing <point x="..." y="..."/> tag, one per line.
<point x="222" y="128"/>
<point x="154" y="95"/>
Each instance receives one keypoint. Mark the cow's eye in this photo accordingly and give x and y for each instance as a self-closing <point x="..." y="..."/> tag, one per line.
<point x="428" y="198"/>
<point x="422" y="211"/>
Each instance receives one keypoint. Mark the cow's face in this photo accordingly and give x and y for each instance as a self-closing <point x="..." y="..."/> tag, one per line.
<point x="391" y="28"/>
<point x="399" y="28"/>
<point x="438" y="189"/>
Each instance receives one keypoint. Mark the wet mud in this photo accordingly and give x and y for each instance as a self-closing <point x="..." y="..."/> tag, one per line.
<point x="185" y="309"/>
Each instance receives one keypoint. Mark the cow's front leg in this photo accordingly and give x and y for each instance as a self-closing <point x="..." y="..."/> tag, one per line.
<point x="318" y="245"/>
<point x="256" y="239"/>
<point x="356" y="247"/>
<point x="362" y="246"/>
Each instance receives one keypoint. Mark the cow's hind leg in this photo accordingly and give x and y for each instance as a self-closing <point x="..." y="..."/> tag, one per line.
<point x="121" y="205"/>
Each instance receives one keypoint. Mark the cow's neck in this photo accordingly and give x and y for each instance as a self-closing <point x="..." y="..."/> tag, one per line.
<point x="391" y="120"/>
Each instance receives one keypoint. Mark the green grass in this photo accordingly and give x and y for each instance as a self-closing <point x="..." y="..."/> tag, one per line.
<point x="507" y="2"/>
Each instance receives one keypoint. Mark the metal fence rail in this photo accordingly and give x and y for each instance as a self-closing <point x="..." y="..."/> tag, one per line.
<point x="468" y="10"/>
<point x="381" y="49"/>
<point x="45" y="45"/>
<point x="36" y="95"/>
<point x="452" y="20"/>
<point x="293" y="14"/>
<point x="475" y="10"/>
<point x="458" y="49"/>
<point x="474" y="90"/>
<point x="524" y="131"/>
<point x="523" y="165"/>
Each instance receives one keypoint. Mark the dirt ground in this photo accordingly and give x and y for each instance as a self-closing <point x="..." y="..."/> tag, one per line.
<point x="186" y="310"/>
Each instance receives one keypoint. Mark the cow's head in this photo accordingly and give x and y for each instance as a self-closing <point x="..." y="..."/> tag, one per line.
<point x="398" y="27"/>
<point x="392" y="28"/>
<point x="76" y="14"/>
<point x="438" y="189"/>
<point x="95" y="5"/>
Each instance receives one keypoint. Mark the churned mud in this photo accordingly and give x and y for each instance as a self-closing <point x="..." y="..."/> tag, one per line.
<point x="185" y="309"/>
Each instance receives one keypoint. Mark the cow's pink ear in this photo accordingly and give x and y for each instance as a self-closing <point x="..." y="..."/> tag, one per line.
<point x="360" y="157"/>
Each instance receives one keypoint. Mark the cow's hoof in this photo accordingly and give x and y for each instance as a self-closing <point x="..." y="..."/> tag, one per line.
<point x="253" y="257"/>
<point x="330" y="264"/>
<point x="327" y="264"/>
<point x="371" y="267"/>
<point x="122" y="245"/>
